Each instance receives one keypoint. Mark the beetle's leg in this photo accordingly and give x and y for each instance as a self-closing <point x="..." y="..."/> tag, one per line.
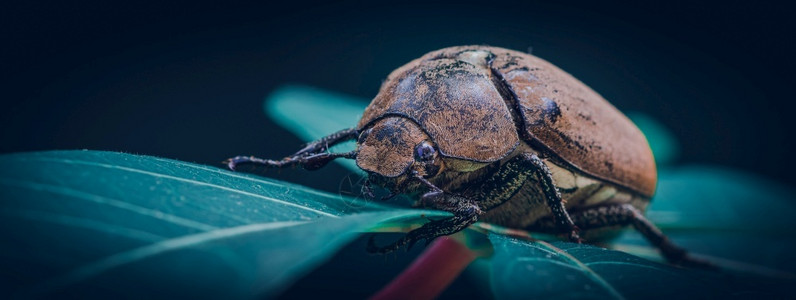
<point x="499" y="188"/>
<point x="465" y="213"/>
<point x="310" y="162"/>
<point x="367" y="190"/>
<point x="626" y="214"/>
<point x="324" y="143"/>
<point x="311" y="157"/>
<point x="509" y="179"/>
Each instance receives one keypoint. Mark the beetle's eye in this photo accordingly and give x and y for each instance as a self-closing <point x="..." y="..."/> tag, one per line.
<point x="424" y="151"/>
<point x="364" y="135"/>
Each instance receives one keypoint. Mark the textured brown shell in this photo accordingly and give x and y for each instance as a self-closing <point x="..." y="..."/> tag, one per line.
<point x="555" y="112"/>
<point x="576" y="123"/>
<point x="455" y="102"/>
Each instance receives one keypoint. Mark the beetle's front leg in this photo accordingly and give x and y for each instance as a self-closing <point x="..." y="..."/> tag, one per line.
<point x="310" y="162"/>
<point x="465" y="213"/>
<point x="324" y="143"/>
<point x="311" y="157"/>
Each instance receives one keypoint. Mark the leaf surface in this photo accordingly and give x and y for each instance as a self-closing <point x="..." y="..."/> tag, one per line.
<point x="562" y="270"/>
<point x="107" y="225"/>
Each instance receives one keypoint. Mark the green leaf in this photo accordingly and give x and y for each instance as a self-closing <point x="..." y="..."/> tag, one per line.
<point x="313" y="113"/>
<point x="562" y="270"/>
<point x="712" y="197"/>
<point x="726" y="214"/>
<point x="107" y="225"/>
<point x="517" y="263"/>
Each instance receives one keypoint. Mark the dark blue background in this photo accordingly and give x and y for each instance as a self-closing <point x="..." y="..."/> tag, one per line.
<point x="186" y="81"/>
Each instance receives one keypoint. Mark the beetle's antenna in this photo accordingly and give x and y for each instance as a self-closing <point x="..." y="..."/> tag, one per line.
<point x="308" y="162"/>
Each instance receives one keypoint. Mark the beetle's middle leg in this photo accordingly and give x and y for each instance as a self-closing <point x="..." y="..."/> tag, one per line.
<point x="509" y="179"/>
<point x="501" y="186"/>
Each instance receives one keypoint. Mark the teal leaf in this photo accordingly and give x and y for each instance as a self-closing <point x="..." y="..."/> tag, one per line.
<point x="525" y="268"/>
<point x="725" y="214"/>
<point x="92" y="224"/>
<point x="716" y="198"/>
<point x="562" y="270"/>
<point x="312" y="113"/>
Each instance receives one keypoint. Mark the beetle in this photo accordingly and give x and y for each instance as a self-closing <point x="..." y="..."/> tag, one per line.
<point x="500" y="136"/>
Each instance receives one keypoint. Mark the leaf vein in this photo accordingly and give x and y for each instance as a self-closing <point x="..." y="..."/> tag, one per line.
<point x="77" y="194"/>
<point x="191" y="181"/>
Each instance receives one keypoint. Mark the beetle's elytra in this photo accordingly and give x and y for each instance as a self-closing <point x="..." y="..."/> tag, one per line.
<point x="499" y="136"/>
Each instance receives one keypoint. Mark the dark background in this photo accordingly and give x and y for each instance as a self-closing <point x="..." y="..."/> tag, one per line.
<point x="186" y="81"/>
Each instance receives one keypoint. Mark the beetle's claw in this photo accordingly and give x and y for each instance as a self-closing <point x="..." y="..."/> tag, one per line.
<point x="233" y="162"/>
<point x="681" y="257"/>
<point x="412" y="242"/>
<point x="388" y="197"/>
<point x="410" y="239"/>
<point x="575" y="237"/>
<point x="428" y="241"/>
<point x="367" y="191"/>
<point x="689" y="261"/>
<point x="373" y="249"/>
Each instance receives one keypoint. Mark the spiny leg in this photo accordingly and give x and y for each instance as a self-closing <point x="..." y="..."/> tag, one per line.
<point x="465" y="213"/>
<point x="626" y="214"/>
<point x="311" y="162"/>
<point x="324" y="143"/>
<point x="503" y="184"/>
<point x="310" y="157"/>
<point x="509" y="179"/>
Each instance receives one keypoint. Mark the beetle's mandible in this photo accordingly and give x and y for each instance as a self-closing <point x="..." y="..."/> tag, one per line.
<point x="503" y="137"/>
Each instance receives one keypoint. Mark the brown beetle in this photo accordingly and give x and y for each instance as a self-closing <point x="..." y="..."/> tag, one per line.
<point x="503" y="137"/>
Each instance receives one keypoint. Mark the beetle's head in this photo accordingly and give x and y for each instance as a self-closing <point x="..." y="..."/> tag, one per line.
<point x="396" y="151"/>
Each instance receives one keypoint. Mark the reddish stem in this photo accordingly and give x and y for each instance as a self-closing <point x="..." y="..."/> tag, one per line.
<point x="430" y="273"/>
